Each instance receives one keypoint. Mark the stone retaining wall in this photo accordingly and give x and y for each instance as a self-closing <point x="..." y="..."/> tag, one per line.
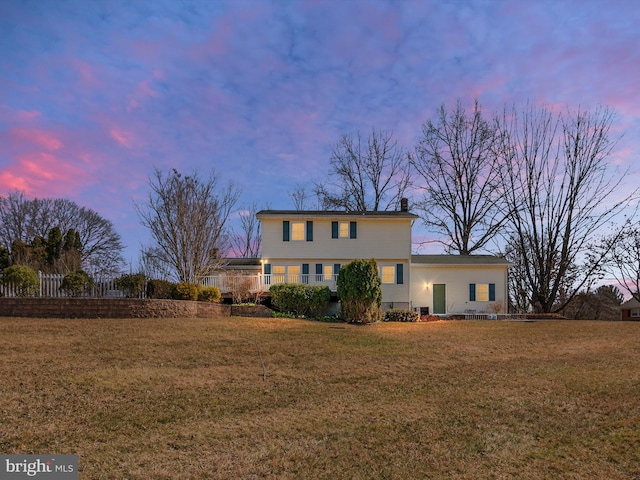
<point x="121" y="308"/>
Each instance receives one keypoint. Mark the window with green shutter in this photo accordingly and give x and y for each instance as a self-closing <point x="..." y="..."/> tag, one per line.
<point x="482" y="292"/>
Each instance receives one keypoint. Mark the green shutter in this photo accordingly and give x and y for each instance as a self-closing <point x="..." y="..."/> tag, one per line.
<point x="318" y="272"/>
<point x="305" y="273"/>
<point x="334" y="229"/>
<point x="309" y="231"/>
<point x="492" y="292"/>
<point x="285" y="230"/>
<point x="353" y="230"/>
<point x="399" y="274"/>
<point x="472" y="292"/>
<point x="336" y="268"/>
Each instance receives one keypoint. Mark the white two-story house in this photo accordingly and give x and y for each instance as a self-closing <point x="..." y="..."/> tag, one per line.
<point x="311" y="246"/>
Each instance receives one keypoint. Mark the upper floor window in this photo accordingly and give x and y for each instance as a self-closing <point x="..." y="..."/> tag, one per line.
<point x="344" y="230"/>
<point x="297" y="231"/>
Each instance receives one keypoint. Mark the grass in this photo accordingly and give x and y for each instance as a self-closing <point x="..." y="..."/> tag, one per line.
<point x="285" y="398"/>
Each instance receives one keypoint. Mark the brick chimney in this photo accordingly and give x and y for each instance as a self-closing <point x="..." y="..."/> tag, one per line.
<point x="404" y="205"/>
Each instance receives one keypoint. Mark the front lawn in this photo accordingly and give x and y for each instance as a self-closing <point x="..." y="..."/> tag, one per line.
<point x="285" y="398"/>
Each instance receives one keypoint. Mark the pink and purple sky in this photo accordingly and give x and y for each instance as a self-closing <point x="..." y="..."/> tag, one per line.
<point x="94" y="94"/>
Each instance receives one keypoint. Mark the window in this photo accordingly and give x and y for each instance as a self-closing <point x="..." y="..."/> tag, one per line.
<point x="344" y="229"/>
<point x="297" y="230"/>
<point x="293" y="274"/>
<point x="278" y="272"/>
<point x="388" y="274"/>
<point x="482" y="292"/>
<point x="635" y="312"/>
<point x="392" y="274"/>
<point x="328" y="273"/>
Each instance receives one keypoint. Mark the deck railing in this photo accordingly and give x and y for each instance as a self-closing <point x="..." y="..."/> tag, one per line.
<point x="262" y="283"/>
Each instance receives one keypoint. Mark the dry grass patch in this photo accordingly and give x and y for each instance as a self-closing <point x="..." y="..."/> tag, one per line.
<point x="281" y="398"/>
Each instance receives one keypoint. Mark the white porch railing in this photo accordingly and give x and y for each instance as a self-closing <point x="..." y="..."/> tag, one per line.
<point x="262" y="283"/>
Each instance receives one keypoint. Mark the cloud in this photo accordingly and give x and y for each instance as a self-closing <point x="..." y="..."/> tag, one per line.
<point x="36" y="137"/>
<point x="38" y="173"/>
<point x="121" y="136"/>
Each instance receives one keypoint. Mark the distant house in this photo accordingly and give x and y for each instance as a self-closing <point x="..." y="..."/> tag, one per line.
<point x="630" y="310"/>
<point x="311" y="246"/>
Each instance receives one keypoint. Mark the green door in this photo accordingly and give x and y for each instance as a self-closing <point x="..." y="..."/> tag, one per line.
<point x="439" y="298"/>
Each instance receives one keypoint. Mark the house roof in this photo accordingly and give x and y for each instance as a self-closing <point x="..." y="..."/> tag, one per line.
<point x="631" y="303"/>
<point x="236" y="261"/>
<point x="334" y="213"/>
<point x="458" y="260"/>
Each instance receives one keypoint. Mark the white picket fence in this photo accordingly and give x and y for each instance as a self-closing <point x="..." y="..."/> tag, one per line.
<point x="51" y="283"/>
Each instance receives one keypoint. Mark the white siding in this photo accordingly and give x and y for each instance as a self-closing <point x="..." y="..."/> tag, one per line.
<point x="457" y="279"/>
<point x="376" y="238"/>
<point x="386" y="240"/>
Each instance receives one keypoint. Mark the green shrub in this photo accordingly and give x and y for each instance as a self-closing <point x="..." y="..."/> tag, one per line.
<point x="185" y="291"/>
<point x="400" y="315"/>
<point x="360" y="292"/>
<point x="24" y="279"/>
<point x="76" y="283"/>
<point x="299" y="298"/>
<point x="160" y="289"/>
<point x="209" y="294"/>
<point x="132" y="285"/>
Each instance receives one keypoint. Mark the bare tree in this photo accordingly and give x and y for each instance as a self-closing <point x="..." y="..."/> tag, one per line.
<point x="559" y="191"/>
<point x="26" y="221"/>
<point x="624" y="259"/>
<point x="247" y="242"/>
<point x="519" y="289"/>
<point x="187" y="217"/>
<point x="366" y="176"/>
<point x="456" y="161"/>
<point x="300" y="197"/>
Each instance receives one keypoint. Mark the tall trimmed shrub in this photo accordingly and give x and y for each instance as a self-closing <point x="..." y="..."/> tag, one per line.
<point x="24" y="279"/>
<point x="360" y="292"/>
<point x="300" y="299"/>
